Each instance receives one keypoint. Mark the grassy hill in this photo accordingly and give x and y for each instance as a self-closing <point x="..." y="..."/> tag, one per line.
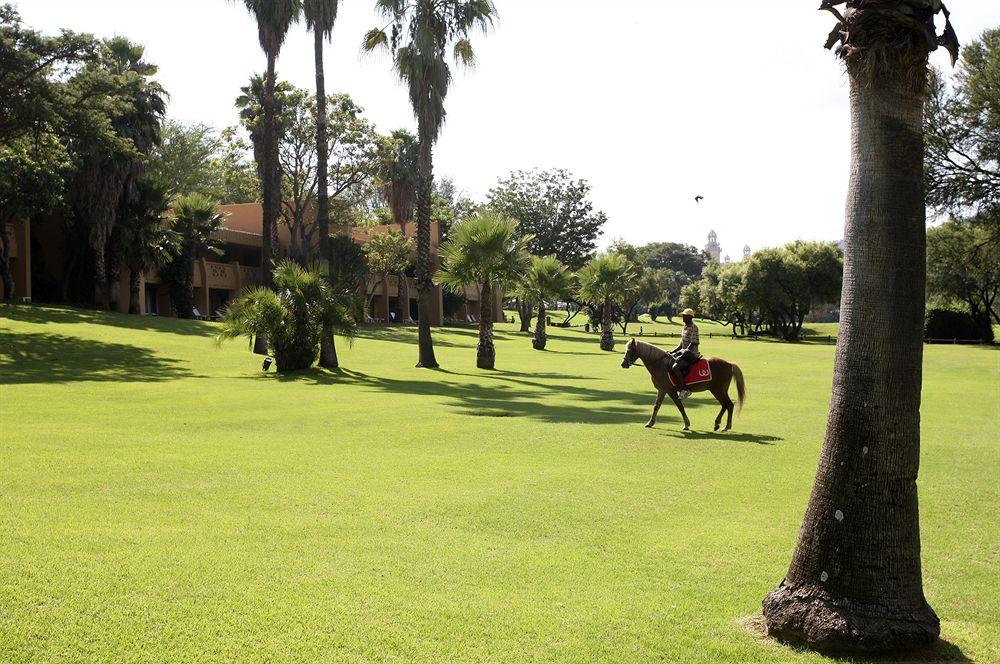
<point x="162" y="499"/>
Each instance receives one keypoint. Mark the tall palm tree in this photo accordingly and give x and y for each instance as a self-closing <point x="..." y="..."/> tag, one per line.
<point x="488" y="252"/>
<point x="320" y="18"/>
<point x="398" y="181"/>
<point x="143" y="239"/>
<point x="422" y="33"/>
<point x="605" y="281"/>
<point x="854" y="582"/>
<point x="107" y="173"/>
<point x="546" y="279"/>
<point x="274" y="18"/>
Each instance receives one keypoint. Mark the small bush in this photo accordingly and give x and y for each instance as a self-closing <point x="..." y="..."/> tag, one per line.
<point x="948" y="324"/>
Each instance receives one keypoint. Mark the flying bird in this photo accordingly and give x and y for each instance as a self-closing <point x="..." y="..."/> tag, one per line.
<point x="699" y="199"/>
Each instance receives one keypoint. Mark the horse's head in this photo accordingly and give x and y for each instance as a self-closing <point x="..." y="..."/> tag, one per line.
<point x="631" y="354"/>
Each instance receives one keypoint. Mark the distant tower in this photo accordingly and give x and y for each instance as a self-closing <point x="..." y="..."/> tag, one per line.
<point x="713" y="248"/>
<point x="728" y="259"/>
<point x="746" y="252"/>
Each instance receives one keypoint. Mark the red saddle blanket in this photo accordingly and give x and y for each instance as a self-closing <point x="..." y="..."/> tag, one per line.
<point x="699" y="372"/>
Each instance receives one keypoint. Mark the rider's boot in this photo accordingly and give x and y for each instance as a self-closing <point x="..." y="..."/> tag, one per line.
<point x="682" y="391"/>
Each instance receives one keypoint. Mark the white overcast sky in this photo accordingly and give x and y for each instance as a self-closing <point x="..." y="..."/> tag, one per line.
<point x="652" y="101"/>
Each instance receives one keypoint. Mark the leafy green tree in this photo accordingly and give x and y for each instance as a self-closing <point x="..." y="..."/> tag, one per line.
<point x="680" y="258"/>
<point x="195" y="218"/>
<point x="422" y="34"/>
<point x="964" y="265"/>
<point x="385" y="253"/>
<point x="854" y="582"/>
<point x="144" y="239"/>
<point x="187" y="159"/>
<point x="605" y="281"/>
<point x="292" y="316"/>
<point x="274" y="18"/>
<point x="962" y="126"/>
<point x="555" y="208"/>
<point x="489" y="252"/>
<point x="545" y="279"/>
<point x="240" y="183"/>
<point x="32" y="173"/>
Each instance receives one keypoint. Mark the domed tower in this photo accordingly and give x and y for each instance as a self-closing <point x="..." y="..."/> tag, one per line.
<point x="713" y="248"/>
<point x="746" y="252"/>
<point x="728" y="259"/>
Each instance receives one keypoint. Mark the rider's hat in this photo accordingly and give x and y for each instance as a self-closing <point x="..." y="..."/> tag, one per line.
<point x="688" y="312"/>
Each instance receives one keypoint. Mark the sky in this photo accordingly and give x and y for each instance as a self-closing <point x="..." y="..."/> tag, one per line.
<point x="652" y="101"/>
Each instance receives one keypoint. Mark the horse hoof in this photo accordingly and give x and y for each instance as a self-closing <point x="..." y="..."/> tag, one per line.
<point x="649" y="425"/>
<point x="726" y="429"/>
<point x="686" y="429"/>
<point x="716" y="428"/>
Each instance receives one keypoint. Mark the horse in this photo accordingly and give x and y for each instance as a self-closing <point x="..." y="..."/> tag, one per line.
<point x="659" y="363"/>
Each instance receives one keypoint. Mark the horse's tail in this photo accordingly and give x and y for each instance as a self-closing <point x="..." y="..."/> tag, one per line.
<point x="741" y="388"/>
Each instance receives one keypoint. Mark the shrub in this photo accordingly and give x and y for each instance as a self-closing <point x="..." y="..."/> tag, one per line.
<point x="949" y="324"/>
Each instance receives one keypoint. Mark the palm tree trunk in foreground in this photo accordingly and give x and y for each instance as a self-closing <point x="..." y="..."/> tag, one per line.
<point x="486" y="352"/>
<point x="425" y="174"/>
<point x="270" y="205"/>
<point x="854" y="583"/>
<point x="607" y="331"/>
<point x="539" y="340"/>
<point x="402" y="299"/>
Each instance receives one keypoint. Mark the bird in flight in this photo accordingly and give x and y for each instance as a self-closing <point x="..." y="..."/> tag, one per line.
<point x="699" y="199"/>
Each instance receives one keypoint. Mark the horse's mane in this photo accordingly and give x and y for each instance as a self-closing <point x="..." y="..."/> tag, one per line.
<point x="648" y="352"/>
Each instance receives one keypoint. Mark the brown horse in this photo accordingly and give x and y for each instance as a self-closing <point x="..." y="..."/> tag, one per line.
<point x="658" y="363"/>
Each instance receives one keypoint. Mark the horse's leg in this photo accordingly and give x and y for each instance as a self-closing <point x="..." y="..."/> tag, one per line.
<point x="727" y="403"/>
<point x="718" y="418"/>
<point x="730" y="406"/>
<point x="656" y="409"/>
<point x="680" y="407"/>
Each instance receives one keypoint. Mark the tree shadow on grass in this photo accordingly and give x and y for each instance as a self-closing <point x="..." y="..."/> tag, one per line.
<point x="506" y="396"/>
<point x="56" y="358"/>
<point x="63" y="315"/>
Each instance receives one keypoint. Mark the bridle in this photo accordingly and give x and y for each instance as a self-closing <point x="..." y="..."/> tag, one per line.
<point x="631" y="355"/>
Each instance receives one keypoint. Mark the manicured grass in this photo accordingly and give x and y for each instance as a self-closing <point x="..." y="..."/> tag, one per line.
<point x="162" y="499"/>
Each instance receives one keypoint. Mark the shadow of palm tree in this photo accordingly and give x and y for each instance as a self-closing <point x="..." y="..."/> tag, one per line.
<point x="56" y="358"/>
<point x="63" y="315"/>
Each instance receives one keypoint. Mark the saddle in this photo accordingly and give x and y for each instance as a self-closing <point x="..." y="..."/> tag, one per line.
<point x="699" y="372"/>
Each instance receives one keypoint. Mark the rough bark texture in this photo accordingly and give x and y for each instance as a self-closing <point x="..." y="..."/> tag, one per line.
<point x="854" y="583"/>
<point x="134" y="280"/>
<point x="270" y="185"/>
<point x="402" y="299"/>
<point x="607" y="328"/>
<point x="541" y="338"/>
<point x="5" y="274"/>
<point x="486" y="352"/>
<point x="327" y="343"/>
<point x="99" y="243"/>
<point x="524" y="311"/>
<point x="425" y="181"/>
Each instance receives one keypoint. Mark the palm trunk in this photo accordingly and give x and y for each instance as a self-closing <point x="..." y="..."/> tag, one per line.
<point x="540" y="338"/>
<point x="486" y="351"/>
<point x="270" y="188"/>
<point x="854" y="582"/>
<point x="5" y="274"/>
<point x="524" y="309"/>
<point x="425" y="181"/>
<point x="402" y="300"/>
<point x="327" y="344"/>
<point x="607" y="329"/>
<point x="134" y="281"/>
<point x="99" y="243"/>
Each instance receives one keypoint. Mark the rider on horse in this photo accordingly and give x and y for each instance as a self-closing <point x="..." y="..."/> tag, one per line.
<point x="686" y="353"/>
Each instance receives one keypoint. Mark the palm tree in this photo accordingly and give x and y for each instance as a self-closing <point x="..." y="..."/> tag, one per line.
<point x="195" y="218"/>
<point x="293" y="316"/>
<point x="107" y="174"/>
<point x="605" y="281"/>
<point x="274" y="18"/>
<point x="422" y="32"/>
<point x="854" y="582"/>
<point x="320" y="18"/>
<point x="398" y="181"/>
<point x="144" y="240"/>
<point x="487" y="251"/>
<point x="546" y="279"/>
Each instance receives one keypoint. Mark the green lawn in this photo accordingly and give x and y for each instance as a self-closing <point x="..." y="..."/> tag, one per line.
<point x="162" y="499"/>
